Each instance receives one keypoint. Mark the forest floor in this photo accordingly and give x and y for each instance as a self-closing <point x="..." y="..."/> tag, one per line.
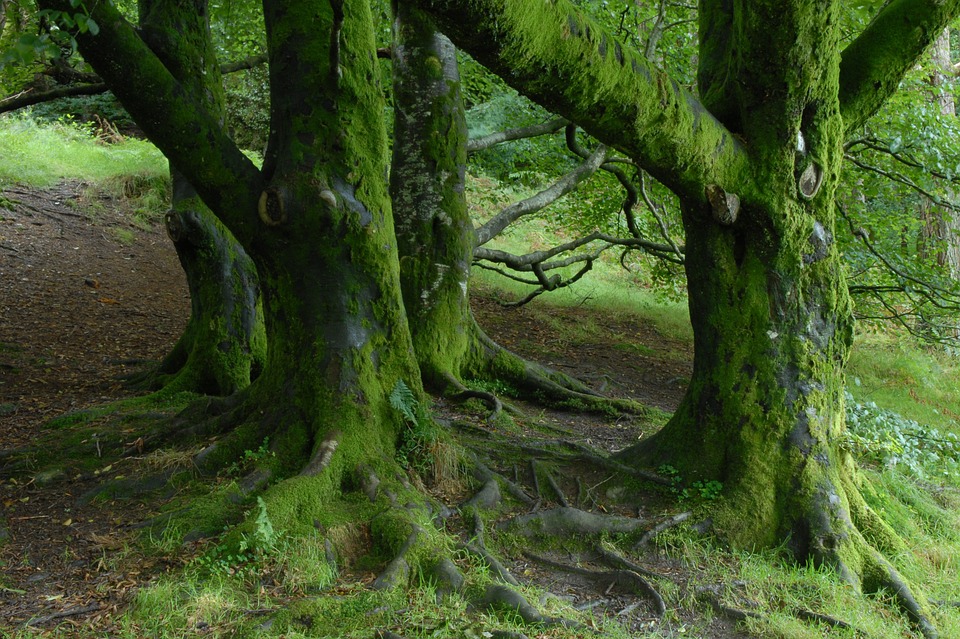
<point x="89" y="295"/>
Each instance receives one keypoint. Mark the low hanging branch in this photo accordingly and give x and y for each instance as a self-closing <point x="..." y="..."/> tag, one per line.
<point x="632" y="197"/>
<point x="541" y="200"/>
<point x="520" y="133"/>
<point x="30" y="97"/>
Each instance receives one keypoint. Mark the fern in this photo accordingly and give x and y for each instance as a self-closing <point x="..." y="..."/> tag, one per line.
<point x="405" y="402"/>
<point x="264" y="533"/>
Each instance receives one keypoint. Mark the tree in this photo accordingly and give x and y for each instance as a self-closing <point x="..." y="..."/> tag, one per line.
<point x="435" y="235"/>
<point x="315" y="219"/>
<point x="223" y="343"/>
<point x="755" y="162"/>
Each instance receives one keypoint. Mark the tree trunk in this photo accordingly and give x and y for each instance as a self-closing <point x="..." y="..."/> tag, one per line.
<point x="771" y="314"/>
<point x="223" y="343"/>
<point x="435" y="235"/>
<point x="338" y="339"/>
<point x="939" y="240"/>
<point x="316" y="220"/>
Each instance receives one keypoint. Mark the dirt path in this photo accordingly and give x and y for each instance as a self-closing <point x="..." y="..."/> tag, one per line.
<point x="86" y="295"/>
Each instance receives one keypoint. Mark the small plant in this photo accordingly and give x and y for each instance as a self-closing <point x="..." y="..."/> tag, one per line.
<point x="250" y="458"/>
<point x="405" y="402"/>
<point x="709" y="490"/>
<point x="246" y="554"/>
<point x="264" y="535"/>
<point x="417" y="439"/>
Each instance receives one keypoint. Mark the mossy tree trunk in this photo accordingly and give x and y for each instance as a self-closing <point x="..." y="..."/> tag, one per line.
<point x="755" y="163"/>
<point x="316" y="220"/>
<point x="435" y="235"/>
<point x="223" y="343"/>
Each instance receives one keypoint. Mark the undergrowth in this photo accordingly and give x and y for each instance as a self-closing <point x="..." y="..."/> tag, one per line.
<point x="42" y="155"/>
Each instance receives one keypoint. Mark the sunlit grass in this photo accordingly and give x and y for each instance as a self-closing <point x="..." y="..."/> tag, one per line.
<point x="42" y="155"/>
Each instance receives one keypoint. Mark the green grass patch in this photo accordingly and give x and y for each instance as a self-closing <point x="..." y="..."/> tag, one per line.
<point x="913" y="380"/>
<point x="42" y="155"/>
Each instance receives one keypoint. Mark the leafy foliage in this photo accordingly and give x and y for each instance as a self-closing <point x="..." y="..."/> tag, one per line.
<point x="888" y="439"/>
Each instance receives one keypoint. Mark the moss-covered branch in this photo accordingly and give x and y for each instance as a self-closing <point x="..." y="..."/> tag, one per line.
<point x="872" y="66"/>
<point x="187" y="134"/>
<point x="574" y="67"/>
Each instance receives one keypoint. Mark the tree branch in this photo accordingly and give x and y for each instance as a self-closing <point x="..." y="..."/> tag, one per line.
<point x="558" y="189"/>
<point x="193" y="140"/>
<point x="902" y="179"/>
<point x="872" y="66"/>
<point x="29" y="98"/>
<point x="487" y="141"/>
<point x="572" y="66"/>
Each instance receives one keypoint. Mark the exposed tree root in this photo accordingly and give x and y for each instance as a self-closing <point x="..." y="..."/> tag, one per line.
<point x="708" y="596"/>
<point x="617" y="560"/>
<point x="649" y="536"/>
<point x="478" y="548"/>
<point x="498" y="596"/>
<point x="586" y="454"/>
<point x="571" y="521"/>
<point x="483" y="474"/>
<point x="207" y="417"/>
<point x="816" y="617"/>
<point x="463" y="393"/>
<point x="494" y="361"/>
<point x="397" y="571"/>
<point x="889" y="580"/>
<point x="622" y="578"/>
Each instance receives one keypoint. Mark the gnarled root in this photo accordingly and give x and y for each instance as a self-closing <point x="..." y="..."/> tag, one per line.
<point x="498" y="596"/>
<point x="622" y="578"/>
<point x="571" y="521"/>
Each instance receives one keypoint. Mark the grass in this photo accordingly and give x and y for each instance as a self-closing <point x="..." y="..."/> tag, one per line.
<point x="41" y="156"/>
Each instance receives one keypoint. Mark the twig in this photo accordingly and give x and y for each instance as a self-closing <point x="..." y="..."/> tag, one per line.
<point x="70" y="612"/>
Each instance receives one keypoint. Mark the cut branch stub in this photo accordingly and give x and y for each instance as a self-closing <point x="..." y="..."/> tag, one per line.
<point x="810" y="181"/>
<point x="329" y="197"/>
<point x="271" y="208"/>
<point x="725" y="206"/>
<point x="173" y="225"/>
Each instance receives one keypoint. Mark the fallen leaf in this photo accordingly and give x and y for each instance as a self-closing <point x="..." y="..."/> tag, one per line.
<point x="67" y="522"/>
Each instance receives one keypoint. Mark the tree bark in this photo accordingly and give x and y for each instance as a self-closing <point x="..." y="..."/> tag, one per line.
<point x="435" y="236"/>
<point x="316" y="220"/>
<point x="223" y="343"/>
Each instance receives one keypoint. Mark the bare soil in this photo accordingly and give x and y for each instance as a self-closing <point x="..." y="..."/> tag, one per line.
<point x="89" y="295"/>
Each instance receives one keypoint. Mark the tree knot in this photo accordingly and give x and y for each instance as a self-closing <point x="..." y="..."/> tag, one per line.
<point x="725" y="206"/>
<point x="270" y="207"/>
